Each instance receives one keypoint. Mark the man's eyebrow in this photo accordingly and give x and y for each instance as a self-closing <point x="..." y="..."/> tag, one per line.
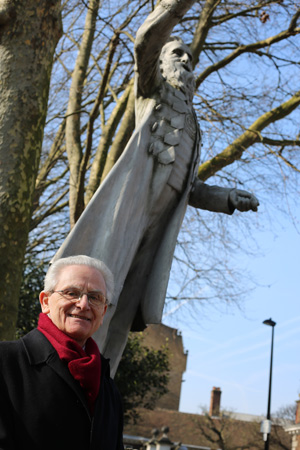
<point x="96" y="291"/>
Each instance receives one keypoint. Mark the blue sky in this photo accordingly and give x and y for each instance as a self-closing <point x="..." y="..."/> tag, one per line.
<point x="232" y="351"/>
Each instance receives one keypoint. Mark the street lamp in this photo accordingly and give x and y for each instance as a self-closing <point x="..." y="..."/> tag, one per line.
<point x="266" y="425"/>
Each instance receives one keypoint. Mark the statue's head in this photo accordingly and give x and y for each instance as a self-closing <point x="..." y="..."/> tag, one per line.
<point x="176" y="65"/>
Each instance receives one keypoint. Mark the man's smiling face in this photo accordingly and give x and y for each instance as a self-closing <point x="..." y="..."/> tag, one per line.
<point x="79" y="320"/>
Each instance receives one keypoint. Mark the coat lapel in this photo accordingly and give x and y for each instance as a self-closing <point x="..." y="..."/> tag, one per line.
<point x="40" y="351"/>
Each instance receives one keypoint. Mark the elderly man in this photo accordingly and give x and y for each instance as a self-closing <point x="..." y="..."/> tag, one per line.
<point x="134" y="218"/>
<point x="55" y="387"/>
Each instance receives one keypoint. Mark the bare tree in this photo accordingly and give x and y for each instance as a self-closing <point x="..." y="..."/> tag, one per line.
<point x="228" y="433"/>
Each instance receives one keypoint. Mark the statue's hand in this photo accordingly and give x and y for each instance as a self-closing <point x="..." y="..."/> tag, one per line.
<point x="243" y="200"/>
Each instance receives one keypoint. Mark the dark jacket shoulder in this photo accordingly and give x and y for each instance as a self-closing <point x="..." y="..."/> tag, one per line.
<point x="41" y="401"/>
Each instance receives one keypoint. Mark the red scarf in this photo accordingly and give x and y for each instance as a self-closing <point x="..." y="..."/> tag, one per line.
<point x="84" y="365"/>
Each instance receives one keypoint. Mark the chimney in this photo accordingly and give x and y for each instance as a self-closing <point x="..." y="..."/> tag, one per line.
<point x="298" y="411"/>
<point x="215" y="402"/>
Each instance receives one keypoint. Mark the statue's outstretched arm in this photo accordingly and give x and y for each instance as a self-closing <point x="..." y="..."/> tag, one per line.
<point x="150" y="39"/>
<point x="219" y="199"/>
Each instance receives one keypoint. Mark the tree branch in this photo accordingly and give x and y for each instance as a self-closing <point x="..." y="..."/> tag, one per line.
<point x="94" y="113"/>
<point x="252" y="135"/>
<point x="203" y="28"/>
<point x="250" y="48"/>
<point x="106" y="138"/>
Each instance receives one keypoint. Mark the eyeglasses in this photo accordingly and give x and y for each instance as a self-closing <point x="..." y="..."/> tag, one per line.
<point x="95" y="299"/>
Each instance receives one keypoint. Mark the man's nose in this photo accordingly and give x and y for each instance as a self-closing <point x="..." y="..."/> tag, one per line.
<point x="83" y="302"/>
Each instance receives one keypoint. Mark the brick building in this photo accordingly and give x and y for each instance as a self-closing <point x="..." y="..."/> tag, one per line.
<point x="155" y="337"/>
<point x="216" y="430"/>
<point x="294" y="429"/>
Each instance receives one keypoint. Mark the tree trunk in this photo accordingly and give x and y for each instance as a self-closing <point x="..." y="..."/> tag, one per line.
<point x="29" y="33"/>
<point x="124" y="133"/>
<point x="73" y="132"/>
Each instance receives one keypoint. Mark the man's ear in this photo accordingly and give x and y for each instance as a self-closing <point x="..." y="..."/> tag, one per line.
<point x="105" y="309"/>
<point x="103" y="314"/>
<point x="44" y="301"/>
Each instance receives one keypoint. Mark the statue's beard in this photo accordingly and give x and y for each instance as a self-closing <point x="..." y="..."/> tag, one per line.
<point x="179" y="78"/>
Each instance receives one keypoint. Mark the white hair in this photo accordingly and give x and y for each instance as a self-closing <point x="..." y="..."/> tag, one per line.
<point x="51" y="278"/>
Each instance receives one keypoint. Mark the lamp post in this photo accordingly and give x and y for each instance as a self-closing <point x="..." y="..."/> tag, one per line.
<point x="266" y="428"/>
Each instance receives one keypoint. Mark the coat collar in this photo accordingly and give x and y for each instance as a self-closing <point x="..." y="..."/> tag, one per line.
<point x="37" y="347"/>
<point x="40" y="351"/>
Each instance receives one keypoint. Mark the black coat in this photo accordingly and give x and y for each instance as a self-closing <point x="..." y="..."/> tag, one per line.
<point x="43" y="407"/>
